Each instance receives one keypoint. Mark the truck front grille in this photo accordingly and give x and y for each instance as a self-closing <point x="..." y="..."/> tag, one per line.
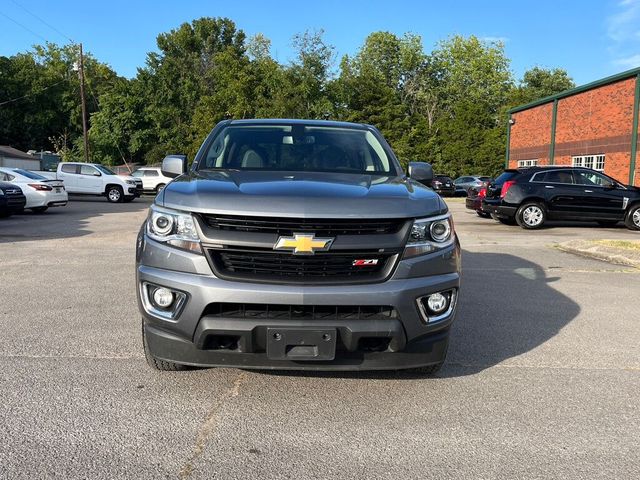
<point x="269" y="266"/>
<point x="289" y="226"/>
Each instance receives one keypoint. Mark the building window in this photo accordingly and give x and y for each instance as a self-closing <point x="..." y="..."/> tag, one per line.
<point x="527" y="163"/>
<point x="594" y="162"/>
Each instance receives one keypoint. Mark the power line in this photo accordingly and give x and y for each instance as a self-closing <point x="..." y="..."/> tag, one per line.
<point x="32" y="94"/>
<point x="24" y="26"/>
<point x="43" y="21"/>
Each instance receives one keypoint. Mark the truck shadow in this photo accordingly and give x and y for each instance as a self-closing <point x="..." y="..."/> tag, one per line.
<point x="507" y="308"/>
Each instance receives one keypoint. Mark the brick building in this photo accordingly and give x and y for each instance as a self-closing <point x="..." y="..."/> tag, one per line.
<point x="595" y="125"/>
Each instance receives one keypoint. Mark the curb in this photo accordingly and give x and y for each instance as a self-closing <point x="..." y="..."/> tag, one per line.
<point x="618" y="256"/>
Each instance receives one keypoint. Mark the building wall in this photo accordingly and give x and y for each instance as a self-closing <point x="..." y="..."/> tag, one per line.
<point x="20" y="163"/>
<point x="598" y="121"/>
<point x="531" y="135"/>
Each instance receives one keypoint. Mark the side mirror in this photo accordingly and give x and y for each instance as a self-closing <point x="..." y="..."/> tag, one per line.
<point x="174" y="165"/>
<point x="421" y="172"/>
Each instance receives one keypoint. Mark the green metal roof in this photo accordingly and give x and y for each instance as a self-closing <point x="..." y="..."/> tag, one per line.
<point x="583" y="88"/>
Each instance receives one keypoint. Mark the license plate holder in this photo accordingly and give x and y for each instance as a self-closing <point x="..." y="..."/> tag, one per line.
<point x="301" y="344"/>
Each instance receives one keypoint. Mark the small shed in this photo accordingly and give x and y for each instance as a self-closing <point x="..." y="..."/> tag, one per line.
<point x="13" y="158"/>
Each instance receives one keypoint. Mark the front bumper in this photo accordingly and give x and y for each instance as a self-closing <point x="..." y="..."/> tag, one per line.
<point x="408" y="341"/>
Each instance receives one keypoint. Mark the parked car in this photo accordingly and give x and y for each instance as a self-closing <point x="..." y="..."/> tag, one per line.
<point x="12" y="199"/>
<point x="443" y="185"/>
<point x="531" y="196"/>
<point x="297" y="244"/>
<point x="153" y="180"/>
<point x="40" y="192"/>
<point x="464" y="183"/>
<point x="474" y="200"/>
<point x="96" y="179"/>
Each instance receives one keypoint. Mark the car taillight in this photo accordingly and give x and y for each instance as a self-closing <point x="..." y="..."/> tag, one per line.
<point x="506" y="186"/>
<point x="41" y="187"/>
<point x="483" y="192"/>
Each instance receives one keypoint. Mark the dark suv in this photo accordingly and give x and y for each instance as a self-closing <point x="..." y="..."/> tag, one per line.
<point x="443" y="185"/>
<point x="530" y="196"/>
<point x="12" y="200"/>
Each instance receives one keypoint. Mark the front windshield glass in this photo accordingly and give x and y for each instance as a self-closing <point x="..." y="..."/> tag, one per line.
<point x="297" y="148"/>
<point x="105" y="170"/>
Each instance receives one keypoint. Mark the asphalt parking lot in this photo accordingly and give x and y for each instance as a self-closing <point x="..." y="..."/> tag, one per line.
<point x="542" y="378"/>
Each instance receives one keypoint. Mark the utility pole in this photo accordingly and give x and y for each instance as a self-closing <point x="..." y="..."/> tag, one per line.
<point x="84" y="107"/>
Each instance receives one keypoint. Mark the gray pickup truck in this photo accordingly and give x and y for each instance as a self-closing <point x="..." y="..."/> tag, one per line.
<point x="297" y="244"/>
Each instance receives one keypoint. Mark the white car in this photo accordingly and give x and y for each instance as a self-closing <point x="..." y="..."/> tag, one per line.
<point x="152" y="178"/>
<point x="41" y="192"/>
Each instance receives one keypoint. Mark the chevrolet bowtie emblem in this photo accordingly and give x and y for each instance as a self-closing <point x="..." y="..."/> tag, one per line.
<point x="303" y="243"/>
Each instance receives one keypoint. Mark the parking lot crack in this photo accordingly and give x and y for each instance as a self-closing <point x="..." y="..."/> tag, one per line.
<point x="209" y="425"/>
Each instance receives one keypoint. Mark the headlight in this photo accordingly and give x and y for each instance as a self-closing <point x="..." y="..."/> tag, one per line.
<point x="130" y="182"/>
<point x="428" y="235"/>
<point x="173" y="227"/>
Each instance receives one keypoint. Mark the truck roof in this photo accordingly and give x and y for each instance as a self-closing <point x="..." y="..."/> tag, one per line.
<point x="298" y="121"/>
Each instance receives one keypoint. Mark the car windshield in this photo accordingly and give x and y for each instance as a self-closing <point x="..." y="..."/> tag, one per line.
<point x="297" y="148"/>
<point x="105" y="170"/>
<point x="28" y="174"/>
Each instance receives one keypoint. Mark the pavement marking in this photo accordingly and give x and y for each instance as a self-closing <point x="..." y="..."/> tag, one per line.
<point x="209" y="425"/>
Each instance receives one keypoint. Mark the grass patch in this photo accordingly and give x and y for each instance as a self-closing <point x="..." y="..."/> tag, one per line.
<point x="626" y="244"/>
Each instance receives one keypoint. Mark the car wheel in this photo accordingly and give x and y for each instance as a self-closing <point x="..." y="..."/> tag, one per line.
<point x="607" y="223"/>
<point x="160" y="187"/>
<point x="531" y="216"/>
<point x="114" y="194"/>
<point x="156" y="363"/>
<point x="483" y="214"/>
<point x="633" y="218"/>
<point x="128" y="199"/>
<point x="39" y="209"/>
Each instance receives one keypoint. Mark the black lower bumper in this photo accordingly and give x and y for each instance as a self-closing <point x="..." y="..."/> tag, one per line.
<point x="360" y="345"/>
<point x="498" y="209"/>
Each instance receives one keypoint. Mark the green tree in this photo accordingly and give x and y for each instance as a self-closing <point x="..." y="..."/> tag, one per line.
<point x="538" y="83"/>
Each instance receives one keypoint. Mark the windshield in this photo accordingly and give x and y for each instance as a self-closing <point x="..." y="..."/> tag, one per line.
<point x="104" y="170"/>
<point x="297" y="148"/>
<point x="28" y="174"/>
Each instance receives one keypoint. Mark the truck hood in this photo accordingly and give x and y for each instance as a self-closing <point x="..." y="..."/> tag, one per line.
<point x="300" y="194"/>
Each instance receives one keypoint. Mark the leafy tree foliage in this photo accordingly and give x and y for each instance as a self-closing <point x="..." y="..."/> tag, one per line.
<point x="447" y="106"/>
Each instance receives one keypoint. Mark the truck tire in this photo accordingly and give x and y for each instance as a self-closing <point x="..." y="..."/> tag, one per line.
<point x="114" y="193"/>
<point x="128" y="199"/>
<point x="156" y="363"/>
<point x="632" y="220"/>
<point x="531" y="215"/>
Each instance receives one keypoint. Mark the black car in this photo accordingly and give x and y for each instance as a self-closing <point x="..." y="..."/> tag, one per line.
<point x="12" y="200"/>
<point x="531" y="196"/>
<point x="443" y="185"/>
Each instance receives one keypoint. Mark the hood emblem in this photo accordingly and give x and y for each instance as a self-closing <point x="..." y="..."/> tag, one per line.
<point x="303" y="244"/>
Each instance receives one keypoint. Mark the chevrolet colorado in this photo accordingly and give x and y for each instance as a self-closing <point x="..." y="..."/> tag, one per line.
<point x="297" y="244"/>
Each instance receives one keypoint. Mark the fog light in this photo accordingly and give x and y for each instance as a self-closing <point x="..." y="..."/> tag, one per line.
<point x="163" y="297"/>
<point x="437" y="303"/>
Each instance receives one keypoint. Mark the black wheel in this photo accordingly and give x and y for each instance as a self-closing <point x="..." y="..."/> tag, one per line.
<point x="128" y="199"/>
<point x="607" y="223"/>
<point x="114" y="194"/>
<point x="531" y="215"/>
<point x="39" y="209"/>
<point x="632" y="221"/>
<point x="160" y="187"/>
<point x="482" y="214"/>
<point x="156" y="363"/>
